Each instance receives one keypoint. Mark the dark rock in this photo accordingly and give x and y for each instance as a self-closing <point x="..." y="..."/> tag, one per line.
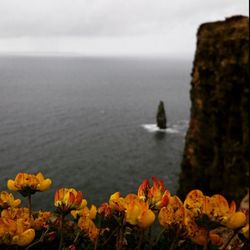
<point x="161" y="118"/>
<point x="217" y="142"/>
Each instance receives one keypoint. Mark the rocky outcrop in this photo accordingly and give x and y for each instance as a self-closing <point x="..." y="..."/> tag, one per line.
<point x="161" y="118"/>
<point x="217" y="142"/>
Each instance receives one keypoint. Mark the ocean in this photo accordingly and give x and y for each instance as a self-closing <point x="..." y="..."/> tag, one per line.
<point x="89" y="122"/>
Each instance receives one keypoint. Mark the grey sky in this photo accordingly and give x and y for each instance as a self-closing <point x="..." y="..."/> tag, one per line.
<point x="143" y="27"/>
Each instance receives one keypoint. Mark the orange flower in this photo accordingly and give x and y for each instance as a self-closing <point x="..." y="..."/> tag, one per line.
<point x="173" y="213"/>
<point x="68" y="199"/>
<point x="7" y="200"/>
<point x="105" y="210"/>
<point x="143" y="190"/>
<point x="28" y="184"/>
<point x="157" y="195"/>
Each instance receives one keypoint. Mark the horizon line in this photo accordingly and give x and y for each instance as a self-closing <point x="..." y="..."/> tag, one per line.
<point x="94" y="55"/>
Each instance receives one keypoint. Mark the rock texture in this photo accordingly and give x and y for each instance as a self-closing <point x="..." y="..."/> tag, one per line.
<point x="217" y="142"/>
<point x="161" y="118"/>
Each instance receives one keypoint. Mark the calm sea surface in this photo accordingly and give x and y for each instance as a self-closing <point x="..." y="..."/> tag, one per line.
<point x="88" y="123"/>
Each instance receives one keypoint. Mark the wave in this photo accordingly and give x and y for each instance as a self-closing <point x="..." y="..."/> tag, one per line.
<point x="179" y="128"/>
<point x="154" y="128"/>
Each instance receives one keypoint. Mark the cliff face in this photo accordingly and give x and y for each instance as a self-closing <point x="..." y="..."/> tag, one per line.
<point x="217" y="142"/>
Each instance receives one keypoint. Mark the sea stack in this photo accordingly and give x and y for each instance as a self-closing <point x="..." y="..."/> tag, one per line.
<point x="216" y="156"/>
<point x="161" y="118"/>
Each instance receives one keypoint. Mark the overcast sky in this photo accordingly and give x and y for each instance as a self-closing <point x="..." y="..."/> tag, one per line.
<point x="109" y="27"/>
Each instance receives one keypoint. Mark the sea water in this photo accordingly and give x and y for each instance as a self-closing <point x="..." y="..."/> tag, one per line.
<point x="89" y="123"/>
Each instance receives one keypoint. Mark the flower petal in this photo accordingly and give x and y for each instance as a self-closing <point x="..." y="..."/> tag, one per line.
<point x="11" y="185"/>
<point x="25" y="238"/>
<point x="147" y="219"/>
<point x="44" y="185"/>
<point x="236" y="220"/>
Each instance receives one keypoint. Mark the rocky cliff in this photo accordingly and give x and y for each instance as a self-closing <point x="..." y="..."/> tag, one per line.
<point x="217" y="142"/>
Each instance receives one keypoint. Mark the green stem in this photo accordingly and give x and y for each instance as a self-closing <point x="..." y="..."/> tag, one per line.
<point x="231" y="238"/>
<point x="61" y="232"/>
<point x="140" y="240"/>
<point x="38" y="241"/>
<point x="97" y="240"/>
<point x="207" y="241"/>
<point x="110" y="236"/>
<point x="33" y="244"/>
<point x="159" y="236"/>
<point x="77" y="236"/>
<point x="30" y="207"/>
<point x="173" y="245"/>
<point x="120" y="236"/>
<point x="120" y="239"/>
<point x="150" y="237"/>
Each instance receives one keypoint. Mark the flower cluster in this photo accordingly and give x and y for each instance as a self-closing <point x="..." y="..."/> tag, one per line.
<point x="203" y="214"/>
<point x="124" y="222"/>
<point x="156" y="195"/>
<point x="136" y="212"/>
<point x="85" y="218"/>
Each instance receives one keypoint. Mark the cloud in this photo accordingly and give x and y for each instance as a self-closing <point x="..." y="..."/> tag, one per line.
<point x="135" y="24"/>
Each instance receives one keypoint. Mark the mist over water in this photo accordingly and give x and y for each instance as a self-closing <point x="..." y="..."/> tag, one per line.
<point x="88" y="123"/>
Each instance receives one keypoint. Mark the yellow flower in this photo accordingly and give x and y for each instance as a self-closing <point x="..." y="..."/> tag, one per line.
<point x="133" y="209"/>
<point x="68" y="199"/>
<point x="15" y="232"/>
<point x="204" y="213"/>
<point x="136" y="210"/>
<point x="245" y="231"/>
<point x="218" y="209"/>
<point x="116" y="202"/>
<point x="41" y="220"/>
<point x="28" y="184"/>
<point x="85" y="212"/>
<point x="146" y="219"/>
<point x="88" y="227"/>
<point x="85" y="222"/>
<point x="19" y="218"/>
<point x="92" y="212"/>
<point x="17" y="213"/>
<point x="44" y="184"/>
<point x="7" y="200"/>
<point x="173" y="213"/>
<point x="138" y="213"/>
<point x="25" y="238"/>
